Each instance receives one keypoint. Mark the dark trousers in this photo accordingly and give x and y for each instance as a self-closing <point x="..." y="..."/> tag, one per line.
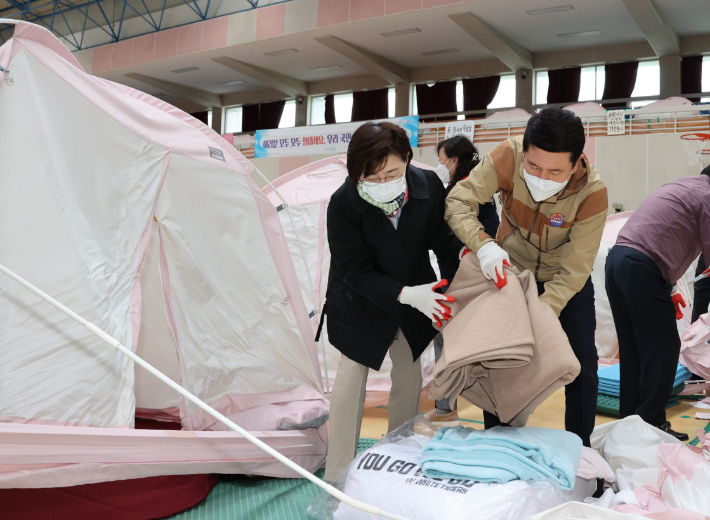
<point x="579" y="322"/>
<point x="649" y="345"/>
<point x="701" y="300"/>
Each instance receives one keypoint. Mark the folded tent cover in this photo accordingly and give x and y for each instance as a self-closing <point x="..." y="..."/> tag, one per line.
<point x="142" y="220"/>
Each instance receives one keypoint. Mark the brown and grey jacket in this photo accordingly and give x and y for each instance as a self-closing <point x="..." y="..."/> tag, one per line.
<point x="560" y="251"/>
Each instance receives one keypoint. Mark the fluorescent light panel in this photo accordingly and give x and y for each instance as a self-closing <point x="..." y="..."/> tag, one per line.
<point x="582" y="33"/>
<point x="400" y="33"/>
<point x="437" y="53"/>
<point x="235" y="82"/>
<point x="327" y="67"/>
<point x="186" y="69"/>
<point x="281" y="52"/>
<point x="548" y="10"/>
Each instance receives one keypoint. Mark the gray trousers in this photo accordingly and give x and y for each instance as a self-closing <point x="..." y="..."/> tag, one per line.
<point x="348" y="399"/>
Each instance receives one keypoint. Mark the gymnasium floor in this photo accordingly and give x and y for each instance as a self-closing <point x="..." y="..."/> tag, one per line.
<point x="237" y="498"/>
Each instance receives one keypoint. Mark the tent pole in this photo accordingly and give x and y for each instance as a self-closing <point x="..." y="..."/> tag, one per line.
<point x="201" y="404"/>
<point x="308" y="272"/>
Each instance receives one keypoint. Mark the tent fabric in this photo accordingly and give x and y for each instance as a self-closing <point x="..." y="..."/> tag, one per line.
<point x="307" y="191"/>
<point x="141" y="219"/>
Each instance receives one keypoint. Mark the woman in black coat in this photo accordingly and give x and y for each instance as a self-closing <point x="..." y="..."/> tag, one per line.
<point x="381" y="296"/>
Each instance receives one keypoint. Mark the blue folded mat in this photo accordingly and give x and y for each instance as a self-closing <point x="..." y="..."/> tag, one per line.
<point x="502" y="454"/>
<point x="609" y="378"/>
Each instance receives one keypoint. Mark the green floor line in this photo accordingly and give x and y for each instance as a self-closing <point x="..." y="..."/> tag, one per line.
<point x="695" y="441"/>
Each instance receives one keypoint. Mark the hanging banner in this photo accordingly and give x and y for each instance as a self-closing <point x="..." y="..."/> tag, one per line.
<point x="322" y="139"/>
<point x="455" y="128"/>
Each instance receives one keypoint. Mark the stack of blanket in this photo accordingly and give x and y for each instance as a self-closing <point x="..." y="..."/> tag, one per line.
<point x="503" y="454"/>
<point x="504" y="350"/>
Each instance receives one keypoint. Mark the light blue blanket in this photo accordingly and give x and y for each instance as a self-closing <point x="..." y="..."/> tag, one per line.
<point x="502" y="454"/>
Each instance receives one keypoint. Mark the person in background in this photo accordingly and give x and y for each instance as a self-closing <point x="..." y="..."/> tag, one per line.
<point x="655" y="247"/>
<point x="457" y="157"/>
<point x="554" y="208"/>
<point x="701" y="291"/>
<point x="381" y="294"/>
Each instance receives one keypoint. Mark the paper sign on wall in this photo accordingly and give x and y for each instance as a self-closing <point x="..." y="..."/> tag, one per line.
<point x="464" y="128"/>
<point x="615" y="122"/>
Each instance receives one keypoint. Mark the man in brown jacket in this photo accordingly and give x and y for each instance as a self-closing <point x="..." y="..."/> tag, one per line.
<point x="554" y="211"/>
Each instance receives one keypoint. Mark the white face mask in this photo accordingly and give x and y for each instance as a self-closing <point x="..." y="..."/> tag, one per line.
<point x="543" y="189"/>
<point x="443" y="172"/>
<point x="385" y="191"/>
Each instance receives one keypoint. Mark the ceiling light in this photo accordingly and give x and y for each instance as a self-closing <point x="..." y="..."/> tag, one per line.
<point x="400" y="33"/>
<point x="235" y="82"/>
<point x="550" y="10"/>
<point x="327" y="67"/>
<point x="583" y="33"/>
<point x="279" y="53"/>
<point x="186" y="69"/>
<point x="442" y="51"/>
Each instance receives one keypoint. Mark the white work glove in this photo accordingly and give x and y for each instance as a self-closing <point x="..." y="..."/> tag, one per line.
<point x="493" y="259"/>
<point x="424" y="299"/>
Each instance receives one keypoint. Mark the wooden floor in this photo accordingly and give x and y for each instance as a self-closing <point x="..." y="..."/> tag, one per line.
<point x="549" y="414"/>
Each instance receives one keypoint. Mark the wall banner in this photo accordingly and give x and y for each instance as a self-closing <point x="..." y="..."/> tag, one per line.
<point x="321" y="139"/>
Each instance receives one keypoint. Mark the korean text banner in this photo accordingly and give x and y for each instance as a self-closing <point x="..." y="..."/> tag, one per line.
<point x="325" y="139"/>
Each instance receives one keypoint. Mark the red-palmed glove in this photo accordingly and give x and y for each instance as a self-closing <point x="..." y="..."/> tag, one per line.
<point x="679" y="302"/>
<point x="493" y="260"/>
<point x="427" y="301"/>
<point x="464" y="251"/>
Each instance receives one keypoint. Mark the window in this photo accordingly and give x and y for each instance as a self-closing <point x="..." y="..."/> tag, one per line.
<point x="233" y="120"/>
<point x="505" y="97"/>
<point x="288" y="118"/>
<point x="318" y="110"/>
<point x="459" y="100"/>
<point x="648" y="80"/>
<point x="343" y="107"/>
<point x="705" y="81"/>
<point x="391" y="99"/>
<point x="592" y="80"/>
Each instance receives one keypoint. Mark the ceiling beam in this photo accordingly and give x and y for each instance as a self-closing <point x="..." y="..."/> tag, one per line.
<point x="393" y="73"/>
<point x="512" y="54"/>
<point x="660" y="34"/>
<point x="292" y="87"/>
<point x="201" y="97"/>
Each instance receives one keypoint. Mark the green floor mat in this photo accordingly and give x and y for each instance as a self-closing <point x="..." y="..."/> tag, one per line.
<point x="609" y="405"/>
<point x="242" y="498"/>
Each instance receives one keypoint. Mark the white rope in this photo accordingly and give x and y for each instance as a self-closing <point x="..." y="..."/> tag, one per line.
<point x="204" y="406"/>
<point x="308" y="272"/>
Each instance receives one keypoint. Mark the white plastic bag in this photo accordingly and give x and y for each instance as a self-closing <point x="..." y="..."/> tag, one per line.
<point x="389" y="476"/>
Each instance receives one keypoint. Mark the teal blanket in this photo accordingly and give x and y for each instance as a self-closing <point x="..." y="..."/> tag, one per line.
<point x="502" y="454"/>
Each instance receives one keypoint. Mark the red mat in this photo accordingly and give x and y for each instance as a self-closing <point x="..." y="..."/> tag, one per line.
<point x="138" y="499"/>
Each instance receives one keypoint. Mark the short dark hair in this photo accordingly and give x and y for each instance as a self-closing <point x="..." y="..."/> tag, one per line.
<point x="555" y="130"/>
<point x="464" y="150"/>
<point x="706" y="171"/>
<point x="371" y="145"/>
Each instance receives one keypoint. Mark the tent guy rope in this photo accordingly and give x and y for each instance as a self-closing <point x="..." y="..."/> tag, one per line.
<point x="198" y="402"/>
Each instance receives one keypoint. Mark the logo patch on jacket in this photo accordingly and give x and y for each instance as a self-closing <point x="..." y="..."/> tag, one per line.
<point x="557" y="219"/>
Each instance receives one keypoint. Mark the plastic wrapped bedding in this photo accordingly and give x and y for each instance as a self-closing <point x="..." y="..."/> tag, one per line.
<point x="389" y="476"/>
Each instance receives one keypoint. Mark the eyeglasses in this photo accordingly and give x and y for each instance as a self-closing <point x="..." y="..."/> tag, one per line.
<point x="373" y="181"/>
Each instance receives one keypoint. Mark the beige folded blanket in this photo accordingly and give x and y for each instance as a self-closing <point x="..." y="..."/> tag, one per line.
<point x="504" y="350"/>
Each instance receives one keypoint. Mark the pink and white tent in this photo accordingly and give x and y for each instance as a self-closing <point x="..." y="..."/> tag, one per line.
<point x="147" y="223"/>
<point x="307" y="191"/>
